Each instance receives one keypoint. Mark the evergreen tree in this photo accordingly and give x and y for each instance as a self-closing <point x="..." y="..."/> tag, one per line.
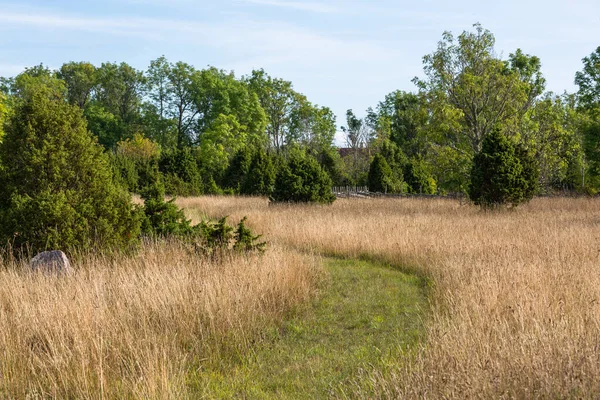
<point x="56" y="186"/>
<point x="261" y="175"/>
<point x="503" y="173"/>
<point x="380" y="175"/>
<point x="301" y="179"/>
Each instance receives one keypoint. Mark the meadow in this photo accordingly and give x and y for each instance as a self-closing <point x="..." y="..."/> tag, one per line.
<point x="506" y="304"/>
<point x="514" y="297"/>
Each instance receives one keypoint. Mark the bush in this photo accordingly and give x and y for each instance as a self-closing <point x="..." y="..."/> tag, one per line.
<point x="238" y="169"/>
<point x="260" y="178"/>
<point x="418" y="177"/>
<point x="163" y="219"/>
<point x="380" y="178"/>
<point x="181" y="173"/>
<point x="56" y="186"/>
<point x="301" y="179"/>
<point x="503" y="173"/>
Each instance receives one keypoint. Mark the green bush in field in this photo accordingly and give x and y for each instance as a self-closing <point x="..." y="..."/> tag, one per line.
<point x="181" y="175"/>
<point x="56" y="185"/>
<point x="237" y="170"/>
<point x="261" y="175"/>
<point x="418" y="178"/>
<point x="503" y="173"/>
<point x="301" y="179"/>
<point x="163" y="218"/>
<point x="380" y="178"/>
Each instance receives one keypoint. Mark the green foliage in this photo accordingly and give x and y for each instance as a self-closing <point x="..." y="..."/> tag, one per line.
<point x="162" y="218"/>
<point x="245" y="240"/>
<point x="418" y="178"/>
<point x="80" y="79"/>
<point x="407" y="115"/>
<point x="301" y="179"/>
<point x="180" y="172"/>
<point x="56" y="187"/>
<point x="237" y="170"/>
<point x="380" y="175"/>
<point x="3" y="113"/>
<point x="503" y="173"/>
<point x="551" y="132"/>
<point x="591" y="136"/>
<point x="261" y="175"/>
<point x="588" y="81"/>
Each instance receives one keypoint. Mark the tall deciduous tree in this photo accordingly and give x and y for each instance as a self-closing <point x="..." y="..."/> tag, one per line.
<point x="588" y="80"/>
<point x="472" y="92"/>
<point x="80" y="78"/>
<point x="279" y="101"/>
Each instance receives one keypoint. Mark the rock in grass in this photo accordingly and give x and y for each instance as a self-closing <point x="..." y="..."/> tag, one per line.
<point x="54" y="261"/>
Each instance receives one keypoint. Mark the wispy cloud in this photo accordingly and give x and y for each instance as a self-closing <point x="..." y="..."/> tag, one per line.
<point x="297" y="5"/>
<point x="273" y="42"/>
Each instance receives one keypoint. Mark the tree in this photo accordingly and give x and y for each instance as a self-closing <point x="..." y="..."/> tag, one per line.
<point x="180" y="172"/>
<point x="503" y="173"/>
<point x="380" y="175"/>
<point x="550" y="132"/>
<point x="407" y="115"/>
<point x="118" y="99"/>
<point x="261" y="175"/>
<point x="158" y="120"/>
<point x="279" y="100"/>
<point x="80" y="78"/>
<point x="301" y="179"/>
<point x="588" y="81"/>
<point x="3" y="113"/>
<point x="470" y="93"/>
<point x="56" y="187"/>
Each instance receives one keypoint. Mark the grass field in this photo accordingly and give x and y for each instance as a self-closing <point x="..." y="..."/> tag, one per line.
<point x="471" y="305"/>
<point x="366" y="315"/>
<point x="516" y="294"/>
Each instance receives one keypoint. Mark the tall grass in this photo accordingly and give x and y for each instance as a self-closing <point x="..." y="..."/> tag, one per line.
<point x="516" y="295"/>
<point x="137" y="327"/>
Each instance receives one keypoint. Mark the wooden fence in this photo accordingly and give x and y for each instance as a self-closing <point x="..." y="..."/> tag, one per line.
<point x="358" y="192"/>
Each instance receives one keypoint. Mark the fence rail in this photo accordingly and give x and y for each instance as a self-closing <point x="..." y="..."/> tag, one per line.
<point x="363" y="192"/>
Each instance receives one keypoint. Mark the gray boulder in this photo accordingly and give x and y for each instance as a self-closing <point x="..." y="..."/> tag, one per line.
<point x="54" y="261"/>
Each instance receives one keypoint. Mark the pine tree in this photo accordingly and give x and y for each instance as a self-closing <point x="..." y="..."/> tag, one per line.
<point x="56" y="185"/>
<point x="503" y="173"/>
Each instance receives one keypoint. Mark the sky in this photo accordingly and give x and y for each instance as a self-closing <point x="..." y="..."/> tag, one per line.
<point x="343" y="54"/>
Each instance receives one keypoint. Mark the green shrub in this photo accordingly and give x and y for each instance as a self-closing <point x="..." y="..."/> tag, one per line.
<point x="238" y="169"/>
<point x="503" y="173"/>
<point x="163" y="219"/>
<point x="380" y="178"/>
<point x="181" y="173"/>
<point x="56" y="186"/>
<point x="261" y="174"/>
<point x="418" y="177"/>
<point x="301" y="179"/>
<point x="245" y="240"/>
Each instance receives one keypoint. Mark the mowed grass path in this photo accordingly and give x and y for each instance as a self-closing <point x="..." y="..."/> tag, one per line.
<point x="367" y="316"/>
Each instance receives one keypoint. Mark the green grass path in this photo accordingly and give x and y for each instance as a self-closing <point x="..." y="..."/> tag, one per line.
<point x="366" y="315"/>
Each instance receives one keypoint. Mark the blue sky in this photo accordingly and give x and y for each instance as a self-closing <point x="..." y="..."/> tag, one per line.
<point x="341" y="54"/>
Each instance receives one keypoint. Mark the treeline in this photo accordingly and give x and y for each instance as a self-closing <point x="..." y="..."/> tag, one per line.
<point x="427" y="141"/>
<point x="208" y="131"/>
<point x="197" y="131"/>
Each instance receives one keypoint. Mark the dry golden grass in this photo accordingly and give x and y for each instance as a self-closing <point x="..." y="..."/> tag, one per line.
<point x="138" y="327"/>
<point x="516" y="296"/>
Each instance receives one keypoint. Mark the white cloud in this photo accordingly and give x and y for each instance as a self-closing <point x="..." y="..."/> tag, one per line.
<point x="271" y="42"/>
